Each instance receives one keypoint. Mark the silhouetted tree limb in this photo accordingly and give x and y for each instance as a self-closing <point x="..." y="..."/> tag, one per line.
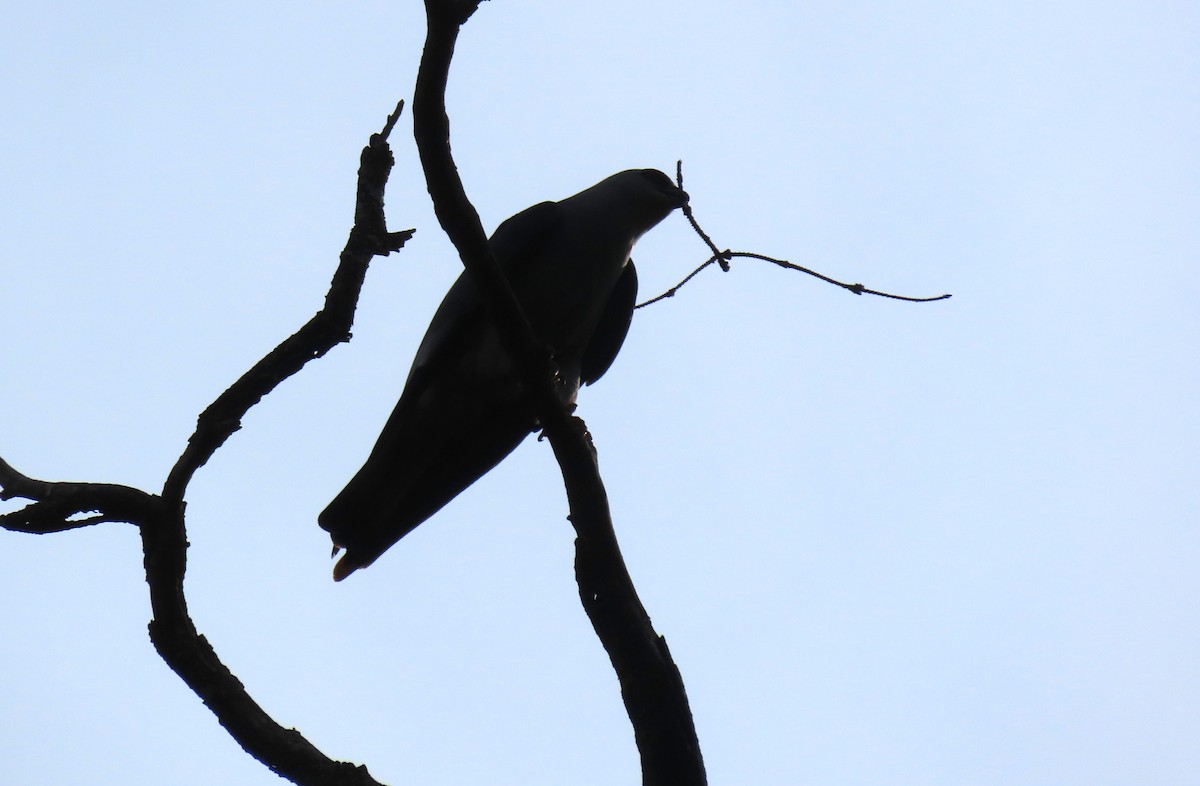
<point x="56" y="505"/>
<point x="284" y="751"/>
<point x="160" y="518"/>
<point x="331" y="325"/>
<point x="651" y="685"/>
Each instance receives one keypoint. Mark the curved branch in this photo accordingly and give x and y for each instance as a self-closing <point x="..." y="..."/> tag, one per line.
<point x="285" y="752"/>
<point x="56" y="506"/>
<point x="327" y="328"/>
<point x="651" y="685"/>
<point x="164" y="537"/>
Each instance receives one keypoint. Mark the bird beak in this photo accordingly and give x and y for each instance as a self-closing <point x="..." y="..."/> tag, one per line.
<point x="681" y="198"/>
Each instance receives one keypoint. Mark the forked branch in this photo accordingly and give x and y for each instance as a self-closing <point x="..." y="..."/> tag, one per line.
<point x="56" y="507"/>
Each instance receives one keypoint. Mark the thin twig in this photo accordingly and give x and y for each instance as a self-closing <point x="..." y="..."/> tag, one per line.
<point x="718" y="256"/>
<point x="722" y="258"/>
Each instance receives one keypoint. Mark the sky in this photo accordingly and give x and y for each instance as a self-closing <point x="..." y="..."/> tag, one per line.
<point x="887" y="543"/>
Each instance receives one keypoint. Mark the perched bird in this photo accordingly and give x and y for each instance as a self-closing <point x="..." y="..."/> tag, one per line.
<point x="463" y="408"/>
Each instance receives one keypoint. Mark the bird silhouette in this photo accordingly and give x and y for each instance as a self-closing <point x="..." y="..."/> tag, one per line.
<point x="464" y="407"/>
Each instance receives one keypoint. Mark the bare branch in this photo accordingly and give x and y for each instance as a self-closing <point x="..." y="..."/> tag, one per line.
<point x="285" y="751"/>
<point x="718" y="255"/>
<point x="650" y="682"/>
<point x="54" y="504"/>
<point x="455" y="213"/>
<point x="722" y="258"/>
<point x="164" y="538"/>
<point x="57" y="507"/>
<point x="330" y="326"/>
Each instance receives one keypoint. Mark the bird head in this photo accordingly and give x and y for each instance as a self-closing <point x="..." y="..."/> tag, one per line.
<point x="641" y="198"/>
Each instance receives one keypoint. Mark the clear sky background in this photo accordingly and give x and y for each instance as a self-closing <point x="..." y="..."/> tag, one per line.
<point x="939" y="544"/>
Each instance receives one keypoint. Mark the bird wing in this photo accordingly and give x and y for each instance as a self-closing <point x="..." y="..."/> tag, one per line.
<point x="521" y="236"/>
<point x="460" y="413"/>
<point x="460" y="317"/>
<point x="612" y="328"/>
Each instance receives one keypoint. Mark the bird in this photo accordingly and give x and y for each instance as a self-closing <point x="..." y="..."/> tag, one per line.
<point x="464" y="408"/>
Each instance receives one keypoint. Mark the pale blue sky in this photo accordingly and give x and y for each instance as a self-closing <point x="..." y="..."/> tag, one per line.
<point x="934" y="545"/>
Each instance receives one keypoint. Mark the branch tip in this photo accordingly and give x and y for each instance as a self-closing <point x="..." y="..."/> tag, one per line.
<point x="391" y="120"/>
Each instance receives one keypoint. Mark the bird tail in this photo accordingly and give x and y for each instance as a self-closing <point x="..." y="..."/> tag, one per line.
<point x="345" y="566"/>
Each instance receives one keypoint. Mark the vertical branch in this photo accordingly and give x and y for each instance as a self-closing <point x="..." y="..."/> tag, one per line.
<point x="651" y="686"/>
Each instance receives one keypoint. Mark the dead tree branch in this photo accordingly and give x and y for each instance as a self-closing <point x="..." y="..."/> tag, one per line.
<point x="651" y="685"/>
<point x="330" y="326"/>
<point x="54" y="507"/>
